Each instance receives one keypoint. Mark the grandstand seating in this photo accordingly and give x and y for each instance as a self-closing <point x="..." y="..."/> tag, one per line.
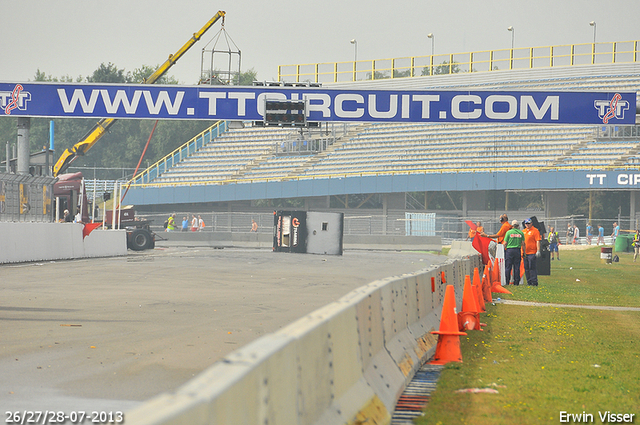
<point x="434" y="148"/>
<point x="227" y="156"/>
<point x="251" y="154"/>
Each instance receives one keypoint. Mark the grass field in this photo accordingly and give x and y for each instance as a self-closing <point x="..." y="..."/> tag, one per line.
<point x="547" y="360"/>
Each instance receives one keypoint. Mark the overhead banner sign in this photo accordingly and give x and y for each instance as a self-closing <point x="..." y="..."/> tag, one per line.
<point x="323" y="104"/>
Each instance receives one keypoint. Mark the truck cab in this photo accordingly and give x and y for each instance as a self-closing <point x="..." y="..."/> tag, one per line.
<point x="70" y="194"/>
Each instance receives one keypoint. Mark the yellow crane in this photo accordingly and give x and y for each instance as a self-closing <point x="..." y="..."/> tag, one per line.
<point x="101" y="127"/>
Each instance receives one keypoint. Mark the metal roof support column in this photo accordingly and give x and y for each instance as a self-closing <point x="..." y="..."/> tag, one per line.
<point x="22" y="165"/>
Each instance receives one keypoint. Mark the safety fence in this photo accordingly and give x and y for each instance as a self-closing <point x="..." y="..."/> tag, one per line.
<point x="26" y="198"/>
<point x="347" y="362"/>
<point x="397" y="223"/>
<point x="452" y="63"/>
<point x="446" y="225"/>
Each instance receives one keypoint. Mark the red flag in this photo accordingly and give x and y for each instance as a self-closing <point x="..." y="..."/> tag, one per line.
<point x="481" y="244"/>
<point x="471" y="224"/>
<point x="88" y="228"/>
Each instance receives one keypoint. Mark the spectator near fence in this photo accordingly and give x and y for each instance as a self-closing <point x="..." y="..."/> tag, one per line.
<point x="616" y="232"/>
<point x="589" y="233"/>
<point x="171" y="223"/>
<point x="554" y="241"/>
<point x="576" y="235"/>
<point x="200" y="223"/>
<point x="600" y="235"/>
<point x="194" y="224"/>
<point x="185" y="224"/>
<point x="472" y="232"/>
<point x="569" y="234"/>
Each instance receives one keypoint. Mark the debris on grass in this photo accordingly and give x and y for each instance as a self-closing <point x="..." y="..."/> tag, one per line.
<point x="478" y="391"/>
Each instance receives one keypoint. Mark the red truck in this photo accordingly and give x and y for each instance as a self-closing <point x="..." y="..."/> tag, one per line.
<point x="68" y="191"/>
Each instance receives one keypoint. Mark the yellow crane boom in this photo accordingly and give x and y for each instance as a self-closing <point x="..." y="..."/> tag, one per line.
<point x="101" y="127"/>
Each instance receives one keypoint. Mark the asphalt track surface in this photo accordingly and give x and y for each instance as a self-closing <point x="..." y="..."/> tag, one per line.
<point x="106" y="334"/>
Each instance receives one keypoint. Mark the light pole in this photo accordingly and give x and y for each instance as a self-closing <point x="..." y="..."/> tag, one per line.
<point x="513" y="33"/>
<point x="433" y="40"/>
<point x="355" y="49"/>
<point x="593" y="46"/>
<point x="355" y="56"/>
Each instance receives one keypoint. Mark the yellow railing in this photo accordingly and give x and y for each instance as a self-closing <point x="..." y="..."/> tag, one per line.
<point x="482" y="61"/>
<point x="178" y="154"/>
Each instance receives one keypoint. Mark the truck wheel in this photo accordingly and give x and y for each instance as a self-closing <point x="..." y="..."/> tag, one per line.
<point x="139" y="240"/>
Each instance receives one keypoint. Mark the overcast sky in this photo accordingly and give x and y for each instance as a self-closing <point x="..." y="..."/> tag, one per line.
<point x="73" y="37"/>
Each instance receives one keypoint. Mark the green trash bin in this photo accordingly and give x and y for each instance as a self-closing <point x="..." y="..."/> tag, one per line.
<point x="622" y="243"/>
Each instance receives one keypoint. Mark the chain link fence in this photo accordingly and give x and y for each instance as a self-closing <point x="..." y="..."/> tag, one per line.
<point x="396" y="223"/>
<point x="26" y="198"/>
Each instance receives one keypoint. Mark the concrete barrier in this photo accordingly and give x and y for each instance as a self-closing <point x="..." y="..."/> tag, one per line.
<point x="462" y="249"/>
<point x="347" y="362"/>
<point x="24" y="242"/>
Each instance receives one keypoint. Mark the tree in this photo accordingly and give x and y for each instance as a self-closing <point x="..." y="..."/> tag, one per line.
<point x="604" y="204"/>
<point x="377" y="75"/>
<point x="445" y="68"/>
<point x="401" y="74"/>
<point x="243" y="78"/>
<point x="109" y="73"/>
<point x="139" y="75"/>
<point x="41" y="76"/>
<point x="248" y="77"/>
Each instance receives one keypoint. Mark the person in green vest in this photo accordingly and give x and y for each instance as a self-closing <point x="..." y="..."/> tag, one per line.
<point x="514" y="244"/>
<point x="171" y="223"/>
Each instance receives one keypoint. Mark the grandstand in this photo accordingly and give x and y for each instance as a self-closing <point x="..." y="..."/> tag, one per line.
<point x="250" y="163"/>
<point x="252" y="154"/>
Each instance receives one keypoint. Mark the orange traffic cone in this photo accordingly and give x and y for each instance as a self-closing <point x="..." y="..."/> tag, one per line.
<point x="486" y="288"/>
<point x="497" y="288"/>
<point x="469" y="317"/>
<point x="448" y="348"/>
<point x="478" y="291"/>
<point x="497" y="276"/>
